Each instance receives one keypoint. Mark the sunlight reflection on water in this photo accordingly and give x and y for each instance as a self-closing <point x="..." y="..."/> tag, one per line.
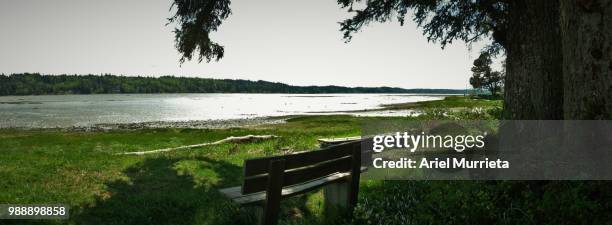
<point x="85" y="110"/>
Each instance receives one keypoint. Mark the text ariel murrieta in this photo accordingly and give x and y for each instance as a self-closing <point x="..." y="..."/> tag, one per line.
<point x="413" y="142"/>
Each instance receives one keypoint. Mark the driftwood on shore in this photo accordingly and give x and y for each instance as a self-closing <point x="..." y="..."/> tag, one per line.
<point x="241" y="139"/>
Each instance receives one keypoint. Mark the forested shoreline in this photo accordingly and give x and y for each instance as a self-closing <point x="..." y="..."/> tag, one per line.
<point x="37" y="84"/>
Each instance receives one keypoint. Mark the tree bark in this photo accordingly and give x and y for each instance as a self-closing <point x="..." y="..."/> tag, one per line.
<point x="534" y="80"/>
<point x="586" y="28"/>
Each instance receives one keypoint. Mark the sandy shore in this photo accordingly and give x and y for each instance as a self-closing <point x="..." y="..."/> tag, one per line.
<point x="196" y="124"/>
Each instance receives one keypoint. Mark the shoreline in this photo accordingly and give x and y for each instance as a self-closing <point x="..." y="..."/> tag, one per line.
<point x="412" y="108"/>
<point x="191" y="124"/>
<point x="196" y="124"/>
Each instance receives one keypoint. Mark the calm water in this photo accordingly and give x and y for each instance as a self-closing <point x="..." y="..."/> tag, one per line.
<point x="85" y="110"/>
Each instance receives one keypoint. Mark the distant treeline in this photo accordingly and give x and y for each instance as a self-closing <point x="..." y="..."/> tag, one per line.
<point x="36" y="84"/>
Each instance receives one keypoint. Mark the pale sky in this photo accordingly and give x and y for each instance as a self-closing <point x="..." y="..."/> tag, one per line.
<point x="291" y="41"/>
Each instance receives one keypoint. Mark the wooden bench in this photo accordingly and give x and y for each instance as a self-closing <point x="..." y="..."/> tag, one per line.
<point x="268" y="180"/>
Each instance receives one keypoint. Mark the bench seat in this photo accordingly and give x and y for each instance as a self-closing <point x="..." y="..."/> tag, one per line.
<point x="234" y="193"/>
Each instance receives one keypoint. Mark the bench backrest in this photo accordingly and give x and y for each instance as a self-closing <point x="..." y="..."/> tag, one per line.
<point x="302" y="167"/>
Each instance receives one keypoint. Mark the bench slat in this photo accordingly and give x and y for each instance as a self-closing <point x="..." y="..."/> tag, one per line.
<point x="259" y="166"/>
<point x="234" y="192"/>
<point x="325" y="142"/>
<point x="300" y="175"/>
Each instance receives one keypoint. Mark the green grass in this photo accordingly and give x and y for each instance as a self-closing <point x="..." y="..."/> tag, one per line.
<point x="451" y="102"/>
<point x="180" y="187"/>
<point x="81" y="169"/>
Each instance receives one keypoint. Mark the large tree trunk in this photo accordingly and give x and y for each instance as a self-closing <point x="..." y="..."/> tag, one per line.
<point x="534" y="78"/>
<point x="586" y="28"/>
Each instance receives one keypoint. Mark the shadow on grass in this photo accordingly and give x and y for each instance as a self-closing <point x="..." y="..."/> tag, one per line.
<point x="167" y="191"/>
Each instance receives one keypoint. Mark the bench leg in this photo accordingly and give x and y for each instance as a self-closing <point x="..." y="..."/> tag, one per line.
<point x="258" y="214"/>
<point x="354" y="179"/>
<point x="336" y="197"/>
<point x="273" y="192"/>
<point x="335" y="194"/>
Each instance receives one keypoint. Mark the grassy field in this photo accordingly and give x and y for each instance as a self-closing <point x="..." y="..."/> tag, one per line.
<point x="81" y="169"/>
<point x="179" y="187"/>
